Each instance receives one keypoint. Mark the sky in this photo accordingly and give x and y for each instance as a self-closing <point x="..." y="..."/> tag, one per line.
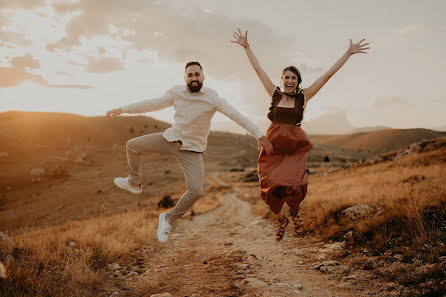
<point x="89" y="56"/>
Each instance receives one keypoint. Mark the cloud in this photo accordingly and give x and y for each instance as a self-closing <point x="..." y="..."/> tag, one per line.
<point x="202" y="36"/>
<point x="411" y="30"/>
<point x="404" y="33"/>
<point x="23" y="4"/>
<point x="63" y="73"/>
<point x="103" y="65"/>
<point x="24" y="62"/>
<point x="14" y="37"/>
<point x="392" y="103"/>
<point x="18" y="73"/>
<point x="65" y="8"/>
<point x="11" y="77"/>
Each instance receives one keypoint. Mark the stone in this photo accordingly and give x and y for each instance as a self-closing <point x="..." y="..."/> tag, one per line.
<point x="114" y="266"/>
<point x="297" y="285"/>
<point x="37" y="173"/>
<point x="328" y="248"/>
<point x="244" y="266"/>
<point x="414" y="146"/>
<point x="358" y="211"/>
<point x="283" y="285"/>
<point x="350" y="277"/>
<point x="79" y="160"/>
<point x="254" y="282"/>
<point x="10" y="259"/>
<point x="114" y="294"/>
<point x="4" y="239"/>
<point x="69" y="153"/>
<point x="133" y="273"/>
<point x="348" y="235"/>
<point x="72" y="244"/>
<point x="311" y="172"/>
<point x="399" y="257"/>
<point x="161" y="295"/>
<point x="330" y="267"/>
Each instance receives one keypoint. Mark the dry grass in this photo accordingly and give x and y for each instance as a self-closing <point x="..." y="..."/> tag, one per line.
<point x="409" y="218"/>
<point x="46" y="265"/>
<point x="403" y="194"/>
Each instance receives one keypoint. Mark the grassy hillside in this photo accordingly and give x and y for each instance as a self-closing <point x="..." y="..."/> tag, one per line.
<point x="401" y="236"/>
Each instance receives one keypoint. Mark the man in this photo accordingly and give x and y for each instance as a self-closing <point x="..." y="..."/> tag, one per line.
<point x="186" y="139"/>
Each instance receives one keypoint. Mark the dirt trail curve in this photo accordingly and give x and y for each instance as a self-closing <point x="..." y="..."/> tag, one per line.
<point x="229" y="252"/>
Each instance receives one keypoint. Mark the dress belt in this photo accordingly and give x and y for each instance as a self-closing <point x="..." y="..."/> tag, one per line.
<point x="298" y="124"/>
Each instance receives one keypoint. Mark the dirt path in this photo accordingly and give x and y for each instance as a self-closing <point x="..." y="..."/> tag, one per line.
<point x="229" y="252"/>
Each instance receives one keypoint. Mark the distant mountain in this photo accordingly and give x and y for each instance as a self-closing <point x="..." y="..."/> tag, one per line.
<point x="332" y="123"/>
<point x="371" y="129"/>
<point x="377" y="142"/>
<point x="440" y="128"/>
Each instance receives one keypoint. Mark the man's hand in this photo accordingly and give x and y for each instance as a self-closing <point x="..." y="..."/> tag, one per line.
<point x="114" y="112"/>
<point x="263" y="141"/>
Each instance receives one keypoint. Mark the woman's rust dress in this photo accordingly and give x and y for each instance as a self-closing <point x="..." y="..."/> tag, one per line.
<point x="283" y="177"/>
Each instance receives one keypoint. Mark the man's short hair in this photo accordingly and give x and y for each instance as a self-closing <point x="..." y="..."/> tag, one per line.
<point x="193" y="63"/>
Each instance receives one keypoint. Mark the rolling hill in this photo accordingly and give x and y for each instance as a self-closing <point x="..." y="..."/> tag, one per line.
<point x="376" y="142"/>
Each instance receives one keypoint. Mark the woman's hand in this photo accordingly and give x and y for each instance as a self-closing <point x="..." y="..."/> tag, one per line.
<point x="240" y="38"/>
<point x="355" y="48"/>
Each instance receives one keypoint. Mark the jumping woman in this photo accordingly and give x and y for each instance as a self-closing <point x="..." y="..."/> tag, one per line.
<point x="282" y="174"/>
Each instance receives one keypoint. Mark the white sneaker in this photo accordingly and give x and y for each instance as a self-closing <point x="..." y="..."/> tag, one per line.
<point x="163" y="228"/>
<point x="123" y="183"/>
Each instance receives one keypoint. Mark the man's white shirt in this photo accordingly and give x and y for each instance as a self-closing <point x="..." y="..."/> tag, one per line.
<point x="193" y="115"/>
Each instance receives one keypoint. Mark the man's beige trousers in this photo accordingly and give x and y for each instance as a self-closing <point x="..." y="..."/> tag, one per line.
<point x="191" y="163"/>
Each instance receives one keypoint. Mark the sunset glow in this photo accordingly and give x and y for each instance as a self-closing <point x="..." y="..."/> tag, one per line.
<point x="86" y="57"/>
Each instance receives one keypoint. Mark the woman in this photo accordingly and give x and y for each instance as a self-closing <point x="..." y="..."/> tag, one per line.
<point x="282" y="175"/>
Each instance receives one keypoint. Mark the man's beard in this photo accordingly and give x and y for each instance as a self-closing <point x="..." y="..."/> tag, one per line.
<point x="194" y="88"/>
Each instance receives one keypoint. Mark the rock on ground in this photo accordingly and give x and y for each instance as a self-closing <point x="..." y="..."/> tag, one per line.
<point x="4" y="239"/>
<point x="161" y="295"/>
<point x="357" y="211"/>
<point x="254" y="282"/>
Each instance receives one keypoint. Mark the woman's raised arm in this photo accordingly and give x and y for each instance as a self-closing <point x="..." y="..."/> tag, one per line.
<point x="354" y="48"/>
<point x="264" y="78"/>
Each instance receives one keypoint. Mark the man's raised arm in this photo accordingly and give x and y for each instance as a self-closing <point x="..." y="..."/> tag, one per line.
<point x="145" y="106"/>
<point x="228" y="110"/>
